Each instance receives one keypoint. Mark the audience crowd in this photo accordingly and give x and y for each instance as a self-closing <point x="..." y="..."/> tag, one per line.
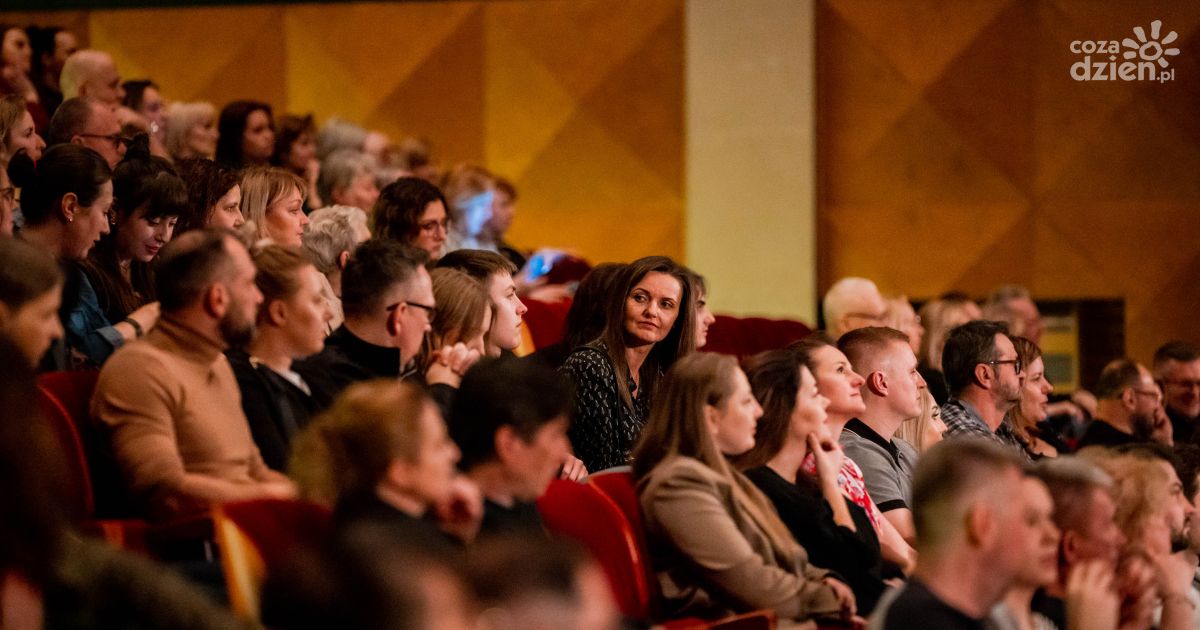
<point x="275" y="310"/>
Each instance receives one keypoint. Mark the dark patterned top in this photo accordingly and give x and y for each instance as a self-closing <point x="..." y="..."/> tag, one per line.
<point x="604" y="428"/>
<point x="963" y="420"/>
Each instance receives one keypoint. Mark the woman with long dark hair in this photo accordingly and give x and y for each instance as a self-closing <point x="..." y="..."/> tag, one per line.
<point x="650" y="322"/>
<point x="246" y="135"/>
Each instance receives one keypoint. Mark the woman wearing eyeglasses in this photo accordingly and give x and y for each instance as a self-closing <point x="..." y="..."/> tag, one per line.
<point x="278" y="399"/>
<point x="66" y="203"/>
<point x="412" y="211"/>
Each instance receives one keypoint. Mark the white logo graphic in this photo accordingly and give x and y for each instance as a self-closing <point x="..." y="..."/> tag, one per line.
<point x="1145" y="57"/>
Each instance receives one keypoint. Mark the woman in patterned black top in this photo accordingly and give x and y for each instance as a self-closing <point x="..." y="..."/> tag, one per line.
<point x="651" y="322"/>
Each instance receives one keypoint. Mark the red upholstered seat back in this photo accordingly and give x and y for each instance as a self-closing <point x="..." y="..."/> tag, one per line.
<point x="546" y="321"/>
<point x="277" y="527"/>
<point x="747" y="336"/>
<point x="79" y="502"/>
<point x="584" y="513"/>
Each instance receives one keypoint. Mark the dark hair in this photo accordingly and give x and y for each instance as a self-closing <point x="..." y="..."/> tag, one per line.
<point x="967" y="346"/>
<point x="1116" y="377"/>
<point x="774" y="378"/>
<point x="505" y="569"/>
<point x="31" y="480"/>
<point x="190" y="264"/>
<point x="477" y="263"/>
<point x="397" y="212"/>
<point x="374" y="267"/>
<point x="63" y="169"/>
<point x="135" y="92"/>
<point x="289" y="129"/>
<point x="680" y="341"/>
<point x="1027" y="351"/>
<point x="41" y="40"/>
<point x="26" y="273"/>
<point x="207" y="182"/>
<point x="501" y="392"/>
<point x="586" y="317"/>
<point x="1187" y="466"/>
<point x="71" y="118"/>
<point x="805" y="349"/>
<point x="860" y="343"/>
<point x="278" y="275"/>
<point x="1180" y="351"/>
<point x="232" y="126"/>
<point x="140" y="180"/>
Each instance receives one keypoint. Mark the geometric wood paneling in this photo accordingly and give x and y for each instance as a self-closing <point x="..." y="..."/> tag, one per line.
<point x="579" y="102"/>
<point x="955" y="151"/>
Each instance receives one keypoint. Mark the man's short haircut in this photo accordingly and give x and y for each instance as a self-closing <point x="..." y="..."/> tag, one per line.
<point x="969" y="345"/>
<point x="948" y="476"/>
<point x="374" y="268"/>
<point x="332" y="230"/>
<point x="190" y="264"/>
<point x="1072" y="482"/>
<point x="477" y="263"/>
<point x="504" y="392"/>
<point x="1180" y="351"/>
<point x="508" y="571"/>
<point x="1116" y="377"/>
<point x="863" y="344"/>
<point x="71" y="118"/>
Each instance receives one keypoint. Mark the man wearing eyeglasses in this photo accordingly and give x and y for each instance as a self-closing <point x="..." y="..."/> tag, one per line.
<point x="90" y="123"/>
<point x="984" y="376"/>
<point x="1127" y="402"/>
<point x="1177" y="370"/>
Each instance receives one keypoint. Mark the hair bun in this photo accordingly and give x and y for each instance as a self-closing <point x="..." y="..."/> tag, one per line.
<point x="22" y="170"/>
<point x="139" y="148"/>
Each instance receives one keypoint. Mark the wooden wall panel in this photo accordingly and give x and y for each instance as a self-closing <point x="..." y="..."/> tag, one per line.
<point x="955" y="151"/>
<point x="579" y="102"/>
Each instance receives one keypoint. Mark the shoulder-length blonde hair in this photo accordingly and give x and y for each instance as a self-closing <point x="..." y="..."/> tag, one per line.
<point x="181" y="117"/>
<point x="263" y="186"/>
<point x="461" y="302"/>
<point x="916" y="429"/>
<point x="677" y="428"/>
<point x="345" y="452"/>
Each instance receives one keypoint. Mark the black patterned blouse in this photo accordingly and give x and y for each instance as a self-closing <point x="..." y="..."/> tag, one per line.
<point x="604" y="429"/>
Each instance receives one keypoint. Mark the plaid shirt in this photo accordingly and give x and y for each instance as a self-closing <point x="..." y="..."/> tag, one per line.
<point x="962" y="420"/>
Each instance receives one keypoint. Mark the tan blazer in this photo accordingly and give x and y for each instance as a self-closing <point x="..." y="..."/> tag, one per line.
<point x="713" y="558"/>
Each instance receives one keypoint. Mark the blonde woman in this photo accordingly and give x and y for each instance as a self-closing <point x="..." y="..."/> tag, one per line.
<point x="191" y="130"/>
<point x="926" y="429"/>
<point x="273" y="199"/>
<point x="716" y="542"/>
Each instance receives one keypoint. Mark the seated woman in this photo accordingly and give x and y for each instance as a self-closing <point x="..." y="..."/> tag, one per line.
<point x="837" y="534"/>
<point x="273" y="199"/>
<point x="66" y="201"/>
<point x="348" y="179"/>
<point x="296" y="151"/>
<point x="331" y="236"/>
<point x="455" y="341"/>
<point x="279" y="401"/>
<point x="191" y="131"/>
<point x="30" y="292"/>
<point x="704" y="316"/>
<point x="245" y="135"/>
<point x="214" y="196"/>
<point x="715" y="541"/>
<point x="149" y="198"/>
<point x="650" y="322"/>
<point x="838" y="382"/>
<point x="1028" y="418"/>
<point x="585" y="317"/>
<point x="926" y="429"/>
<point x="381" y="455"/>
<point x="412" y="211"/>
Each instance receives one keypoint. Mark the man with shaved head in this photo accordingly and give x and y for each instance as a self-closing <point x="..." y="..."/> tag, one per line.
<point x="852" y="303"/>
<point x="92" y="74"/>
<point x="891" y="392"/>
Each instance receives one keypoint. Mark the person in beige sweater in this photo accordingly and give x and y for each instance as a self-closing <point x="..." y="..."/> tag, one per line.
<point x="717" y="545"/>
<point x="170" y="401"/>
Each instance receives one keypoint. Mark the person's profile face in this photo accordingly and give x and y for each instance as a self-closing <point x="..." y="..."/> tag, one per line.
<point x="838" y="382"/>
<point x="505" y="332"/>
<point x="416" y="320"/>
<point x="258" y="138"/>
<point x="1035" y="391"/>
<point x="237" y="324"/>
<point x="201" y="138"/>
<point x="307" y="314"/>
<point x="36" y="325"/>
<point x="284" y="219"/>
<point x="23" y="135"/>
<point x="89" y="224"/>
<point x="809" y="415"/>
<point x="536" y="461"/>
<point x="227" y="212"/>
<point x="732" y="422"/>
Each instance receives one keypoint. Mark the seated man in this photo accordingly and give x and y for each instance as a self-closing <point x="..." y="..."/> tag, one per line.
<point x="495" y="272"/>
<point x="971" y="541"/>
<point x="510" y="422"/>
<point x="892" y="394"/>
<point x="852" y="303"/>
<point x="984" y="376"/>
<point x="1127" y="401"/>
<point x="387" y="299"/>
<point x="1177" y="370"/>
<point x="170" y="400"/>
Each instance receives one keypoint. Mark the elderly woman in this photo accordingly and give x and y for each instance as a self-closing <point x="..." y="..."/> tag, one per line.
<point x="273" y="199"/>
<point x="348" y="179"/>
<point x="191" y="131"/>
<point x="330" y="238"/>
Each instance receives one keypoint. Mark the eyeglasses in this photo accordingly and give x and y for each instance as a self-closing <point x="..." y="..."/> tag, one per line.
<point x="1016" y="363"/>
<point x="430" y="226"/>
<point x="116" y="139"/>
<point x="430" y="311"/>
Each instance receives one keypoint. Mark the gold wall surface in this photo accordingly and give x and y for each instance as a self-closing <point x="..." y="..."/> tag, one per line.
<point x="956" y="151"/>
<point x="579" y="103"/>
